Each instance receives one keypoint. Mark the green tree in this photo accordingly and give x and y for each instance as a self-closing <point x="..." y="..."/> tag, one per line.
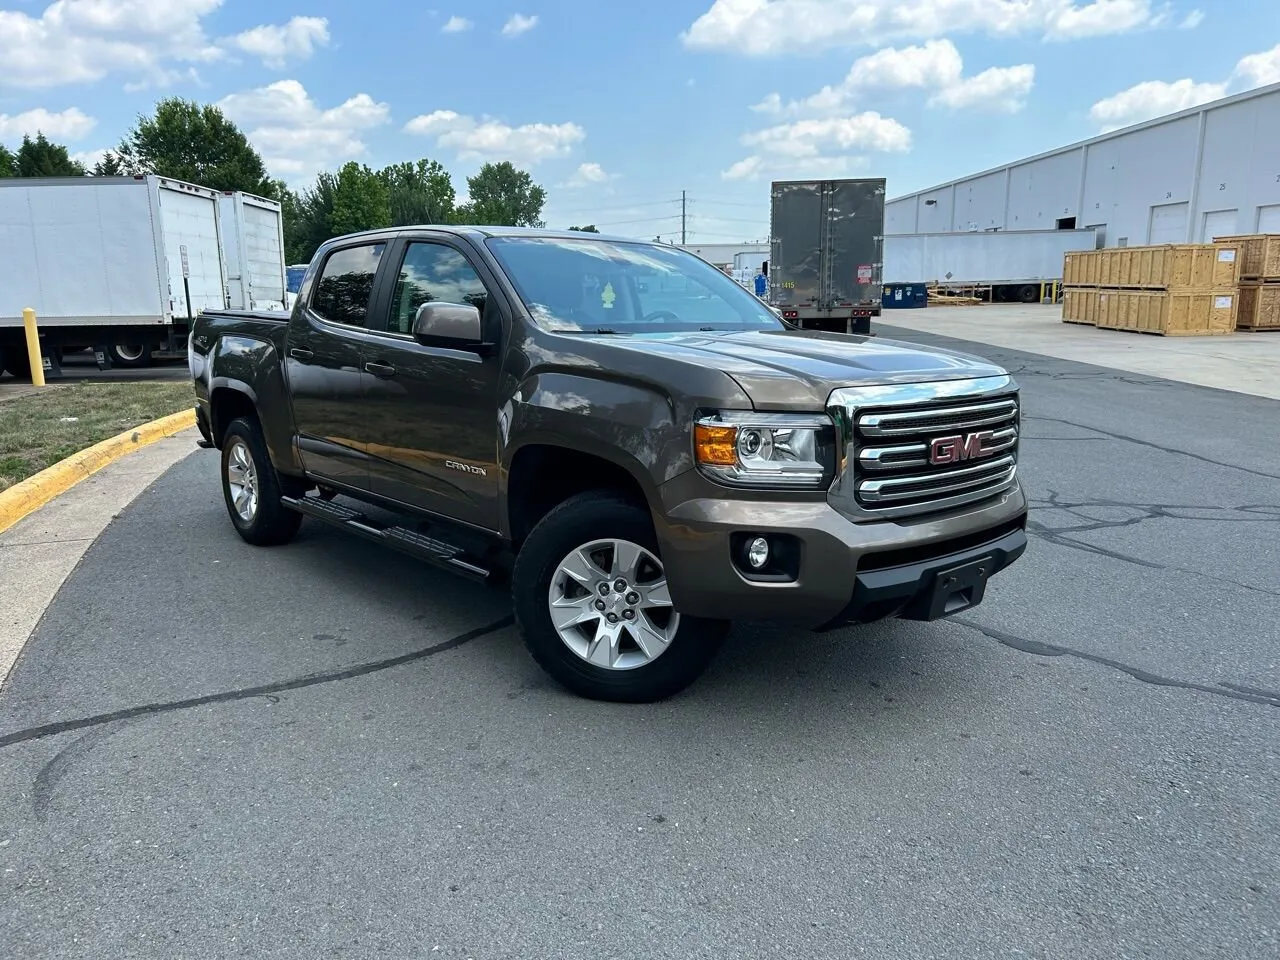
<point x="42" y="157"/>
<point x="8" y="162"/>
<point x="108" y="166"/>
<point x="197" y="143"/>
<point x="419" y="192"/>
<point x="589" y="228"/>
<point x="361" y="201"/>
<point x="307" y="216"/>
<point x="501" y="195"/>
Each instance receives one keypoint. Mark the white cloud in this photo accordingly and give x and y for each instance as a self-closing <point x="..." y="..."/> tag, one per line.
<point x="489" y="139"/>
<point x="778" y="27"/>
<point x="277" y="45"/>
<point x="588" y="174"/>
<point x="1154" y="98"/>
<point x="1193" y="20"/>
<point x="1259" y="69"/>
<point x="89" y="158"/>
<point x="296" y="137"/>
<point x="935" y="65"/>
<point x="998" y="90"/>
<point x="518" y="24"/>
<point x="80" y="41"/>
<point x="70" y="124"/>
<point x="823" y="146"/>
<point x="457" y="25"/>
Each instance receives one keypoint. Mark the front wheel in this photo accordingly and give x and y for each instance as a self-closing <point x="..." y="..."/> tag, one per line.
<point x="252" y="490"/>
<point x="594" y="608"/>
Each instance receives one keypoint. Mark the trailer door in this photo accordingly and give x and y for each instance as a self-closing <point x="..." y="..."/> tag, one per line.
<point x="189" y="221"/>
<point x="855" y="237"/>
<point x="262" y="256"/>
<point x="795" y="267"/>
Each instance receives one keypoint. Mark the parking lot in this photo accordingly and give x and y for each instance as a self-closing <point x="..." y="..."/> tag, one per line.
<point x="329" y="750"/>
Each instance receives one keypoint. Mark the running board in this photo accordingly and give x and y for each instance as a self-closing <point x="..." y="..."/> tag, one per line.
<point x="400" y="538"/>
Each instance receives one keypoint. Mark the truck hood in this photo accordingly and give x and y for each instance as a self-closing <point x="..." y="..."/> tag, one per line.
<point x="798" y="369"/>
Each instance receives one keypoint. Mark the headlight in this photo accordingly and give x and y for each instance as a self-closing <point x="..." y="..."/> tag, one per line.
<point x="778" y="450"/>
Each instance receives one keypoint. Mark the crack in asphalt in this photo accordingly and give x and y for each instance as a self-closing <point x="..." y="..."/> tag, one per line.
<point x="1232" y="691"/>
<point x="1155" y="446"/>
<point x="267" y="690"/>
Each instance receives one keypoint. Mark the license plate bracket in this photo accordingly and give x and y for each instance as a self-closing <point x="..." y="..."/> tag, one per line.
<point x="959" y="588"/>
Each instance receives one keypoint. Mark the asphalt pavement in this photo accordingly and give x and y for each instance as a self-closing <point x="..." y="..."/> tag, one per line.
<point x="211" y="750"/>
<point x="81" y="367"/>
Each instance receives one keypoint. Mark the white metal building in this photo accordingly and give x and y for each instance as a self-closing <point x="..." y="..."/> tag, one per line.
<point x="723" y="254"/>
<point x="1209" y="171"/>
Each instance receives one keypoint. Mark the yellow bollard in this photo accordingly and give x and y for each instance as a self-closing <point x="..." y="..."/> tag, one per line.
<point x="33" y="346"/>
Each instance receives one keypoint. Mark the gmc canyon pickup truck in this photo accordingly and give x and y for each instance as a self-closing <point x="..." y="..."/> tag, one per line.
<point x="639" y="446"/>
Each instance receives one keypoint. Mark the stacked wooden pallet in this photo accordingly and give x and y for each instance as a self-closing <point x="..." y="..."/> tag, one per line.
<point x="1171" y="290"/>
<point x="1259" y="281"/>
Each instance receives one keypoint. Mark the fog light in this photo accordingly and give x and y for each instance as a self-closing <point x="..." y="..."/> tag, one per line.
<point x="758" y="553"/>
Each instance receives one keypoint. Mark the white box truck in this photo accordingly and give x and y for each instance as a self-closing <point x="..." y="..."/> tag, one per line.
<point x="121" y="265"/>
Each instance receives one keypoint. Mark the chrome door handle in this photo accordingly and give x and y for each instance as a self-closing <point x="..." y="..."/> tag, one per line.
<point x="302" y="353"/>
<point x="383" y="370"/>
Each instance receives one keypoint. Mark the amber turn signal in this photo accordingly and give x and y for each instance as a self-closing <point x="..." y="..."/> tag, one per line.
<point x="716" y="445"/>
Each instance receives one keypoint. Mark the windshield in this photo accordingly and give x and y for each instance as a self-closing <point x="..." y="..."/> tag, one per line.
<point x="572" y="286"/>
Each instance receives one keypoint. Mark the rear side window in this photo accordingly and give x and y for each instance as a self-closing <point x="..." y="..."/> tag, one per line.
<point x="346" y="284"/>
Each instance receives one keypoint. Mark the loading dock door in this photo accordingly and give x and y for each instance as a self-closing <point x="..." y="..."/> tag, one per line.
<point x="1219" y="223"/>
<point x="1269" y="219"/>
<point x="1168" y="223"/>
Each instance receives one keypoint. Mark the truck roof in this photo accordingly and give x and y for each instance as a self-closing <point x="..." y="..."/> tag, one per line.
<point x="485" y="232"/>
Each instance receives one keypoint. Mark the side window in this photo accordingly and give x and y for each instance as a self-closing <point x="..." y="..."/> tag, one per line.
<point x="433" y="271"/>
<point x="346" y="284"/>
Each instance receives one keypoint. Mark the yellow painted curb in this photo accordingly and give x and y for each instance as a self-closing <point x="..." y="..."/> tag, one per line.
<point x="34" y="492"/>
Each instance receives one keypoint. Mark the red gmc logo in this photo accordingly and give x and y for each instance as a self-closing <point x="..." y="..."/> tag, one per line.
<point x="969" y="446"/>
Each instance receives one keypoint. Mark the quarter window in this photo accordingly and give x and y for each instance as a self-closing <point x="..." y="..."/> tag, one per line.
<point x="346" y="284"/>
<point x="433" y="272"/>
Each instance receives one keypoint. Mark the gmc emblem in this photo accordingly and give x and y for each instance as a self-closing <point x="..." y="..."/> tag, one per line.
<point x="969" y="446"/>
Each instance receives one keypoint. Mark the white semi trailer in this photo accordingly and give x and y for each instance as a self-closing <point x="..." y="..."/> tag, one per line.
<point x="1013" y="264"/>
<point x="121" y="265"/>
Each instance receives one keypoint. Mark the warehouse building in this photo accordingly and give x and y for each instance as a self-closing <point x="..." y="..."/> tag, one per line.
<point x="1212" y="170"/>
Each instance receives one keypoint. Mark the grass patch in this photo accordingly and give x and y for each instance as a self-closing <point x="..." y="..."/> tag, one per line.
<point x="40" y="429"/>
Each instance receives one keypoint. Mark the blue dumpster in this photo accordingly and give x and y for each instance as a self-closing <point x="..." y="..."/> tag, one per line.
<point x="904" y="296"/>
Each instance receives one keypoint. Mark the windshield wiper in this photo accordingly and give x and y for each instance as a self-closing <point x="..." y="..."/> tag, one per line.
<point x="603" y="331"/>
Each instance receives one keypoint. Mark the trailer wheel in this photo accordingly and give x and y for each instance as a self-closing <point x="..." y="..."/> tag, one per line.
<point x="1029" y="293"/>
<point x="134" y="355"/>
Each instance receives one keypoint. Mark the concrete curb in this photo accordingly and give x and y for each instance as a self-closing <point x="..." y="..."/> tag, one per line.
<point x="34" y="492"/>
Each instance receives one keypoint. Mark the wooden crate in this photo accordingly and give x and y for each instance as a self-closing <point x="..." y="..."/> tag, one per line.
<point x="1172" y="313"/>
<point x="1073" y="266"/>
<point x="1259" y="307"/>
<point x="1259" y="255"/>
<point x="1109" y="310"/>
<point x="1076" y="305"/>
<point x="1196" y="266"/>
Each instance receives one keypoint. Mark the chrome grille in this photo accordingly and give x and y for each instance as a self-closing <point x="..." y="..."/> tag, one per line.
<point x="888" y="469"/>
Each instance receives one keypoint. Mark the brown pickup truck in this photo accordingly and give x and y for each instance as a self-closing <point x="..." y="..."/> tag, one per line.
<point x="644" y="449"/>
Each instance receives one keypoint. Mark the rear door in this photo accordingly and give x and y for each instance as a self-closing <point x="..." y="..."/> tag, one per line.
<point x="324" y="366"/>
<point x="263" y="254"/>
<point x="795" y="268"/>
<point x="431" y="413"/>
<point x="855" y="227"/>
<point x="189" y="221"/>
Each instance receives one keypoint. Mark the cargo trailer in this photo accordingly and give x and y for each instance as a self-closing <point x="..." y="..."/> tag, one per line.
<point x="1013" y="265"/>
<point x="825" y="252"/>
<point x="121" y="265"/>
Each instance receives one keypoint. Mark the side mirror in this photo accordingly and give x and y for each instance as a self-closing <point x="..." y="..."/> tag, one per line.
<point x="448" y="325"/>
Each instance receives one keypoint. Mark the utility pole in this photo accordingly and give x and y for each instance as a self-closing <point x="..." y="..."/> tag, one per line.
<point x="684" y="207"/>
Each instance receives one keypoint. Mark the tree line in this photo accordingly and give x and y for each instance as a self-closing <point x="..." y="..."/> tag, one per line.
<point x="196" y="142"/>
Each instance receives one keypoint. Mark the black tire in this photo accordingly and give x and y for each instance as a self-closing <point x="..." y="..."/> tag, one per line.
<point x="130" y="355"/>
<point x="270" y="522"/>
<point x="16" y="361"/>
<point x="580" y="520"/>
<point x="1029" y="294"/>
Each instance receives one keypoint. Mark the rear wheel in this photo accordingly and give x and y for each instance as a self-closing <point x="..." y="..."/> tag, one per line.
<point x="252" y="489"/>
<point x="130" y="354"/>
<point x="594" y="607"/>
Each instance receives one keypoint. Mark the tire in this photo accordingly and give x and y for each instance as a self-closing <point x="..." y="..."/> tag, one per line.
<point x="130" y="355"/>
<point x="252" y="489"/>
<point x="1029" y="294"/>
<point x="16" y="361"/>
<point x="641" y="672"/>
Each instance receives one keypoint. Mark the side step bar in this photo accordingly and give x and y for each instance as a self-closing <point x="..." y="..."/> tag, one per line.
<point x="401" y="538"/>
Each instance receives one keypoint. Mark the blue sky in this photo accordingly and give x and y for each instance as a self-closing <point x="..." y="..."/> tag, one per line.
<point x="617" y="107"/>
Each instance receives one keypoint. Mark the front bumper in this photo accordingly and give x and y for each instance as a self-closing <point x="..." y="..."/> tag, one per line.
<point x="848" y="572"/>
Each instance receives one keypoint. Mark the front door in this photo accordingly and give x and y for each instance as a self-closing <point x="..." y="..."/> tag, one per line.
<point x="431" y="413"/>
<point x="324" y="365"/>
